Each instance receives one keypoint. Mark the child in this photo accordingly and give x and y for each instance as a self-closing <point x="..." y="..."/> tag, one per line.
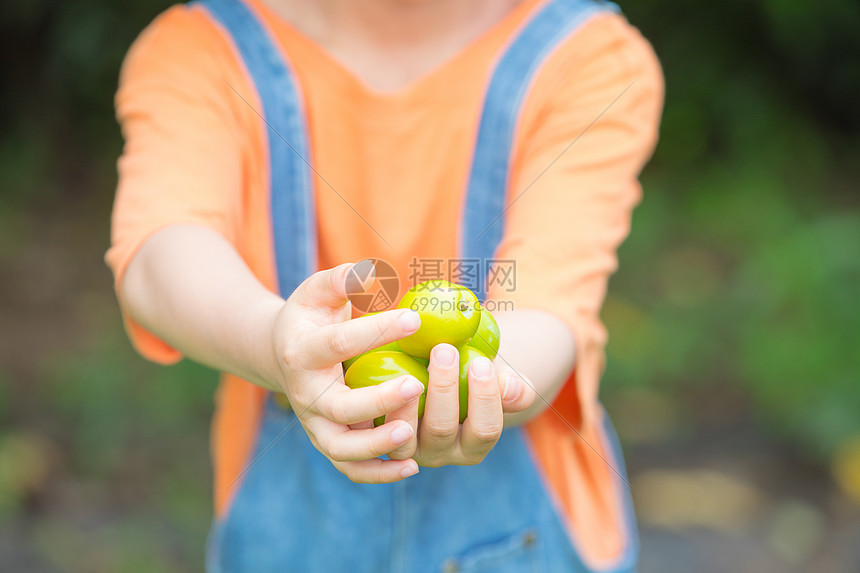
<point x="271" y="144"/>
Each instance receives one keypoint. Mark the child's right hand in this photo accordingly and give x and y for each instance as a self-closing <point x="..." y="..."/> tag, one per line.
<point x="312" y="335"/>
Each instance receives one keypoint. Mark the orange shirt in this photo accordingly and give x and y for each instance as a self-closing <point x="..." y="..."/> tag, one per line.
<point x="196" y="153"/>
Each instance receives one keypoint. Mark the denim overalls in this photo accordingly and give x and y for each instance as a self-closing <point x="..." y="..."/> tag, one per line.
<point x="294" y="511"/>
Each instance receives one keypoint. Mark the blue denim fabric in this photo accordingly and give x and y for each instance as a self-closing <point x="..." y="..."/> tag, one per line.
<point x="292" y="194"/>
<point x="483" y="222"/>
<point x="293" y="510"/>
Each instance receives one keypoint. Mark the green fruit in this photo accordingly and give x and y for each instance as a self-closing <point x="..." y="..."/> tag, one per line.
<point x="467" y="354"/>
<point x="377" y="367"/>
<point x="449" y="313"/>
<point x="391" y="346"/>
<point x="487" y="337"/>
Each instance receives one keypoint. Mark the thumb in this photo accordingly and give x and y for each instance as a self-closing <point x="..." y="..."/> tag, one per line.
<point x="334" y="287"/>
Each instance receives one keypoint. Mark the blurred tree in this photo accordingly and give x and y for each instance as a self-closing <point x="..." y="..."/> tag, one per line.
<point x="741" y="274"/>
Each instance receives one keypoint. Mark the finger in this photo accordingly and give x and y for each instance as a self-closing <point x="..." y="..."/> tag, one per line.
<point x="338" y="342"/>
<point x="378" y="471"/>
<point x="517" y="393"/>
<point x="346" y="406"/>
<point x="333" y="287"/>
<point x="440" y="424"/>
<point x="483" y="426"/>
<point x="409" y="414"/>
<point x="341" y="444"/>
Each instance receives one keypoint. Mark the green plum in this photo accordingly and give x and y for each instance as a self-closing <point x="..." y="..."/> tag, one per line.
<point x="487" y="337"/>
<point x="467" y="354"/>
<point x="377" y="367"/>
<point x="391" y="346"/>
<point x="449" y="313"/>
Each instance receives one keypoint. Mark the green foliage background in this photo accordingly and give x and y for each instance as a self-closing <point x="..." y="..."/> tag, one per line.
<point x="743" y="269"/>
<point x="737" y="293"/>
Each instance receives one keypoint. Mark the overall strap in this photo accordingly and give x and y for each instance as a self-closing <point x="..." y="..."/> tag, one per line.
<point x="291" y="191"/>
<point x="483" y="221"/>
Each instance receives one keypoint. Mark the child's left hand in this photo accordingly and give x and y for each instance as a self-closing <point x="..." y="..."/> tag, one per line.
<point x="441" y="440"/>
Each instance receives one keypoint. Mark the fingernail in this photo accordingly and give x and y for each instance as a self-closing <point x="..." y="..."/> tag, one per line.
<point x="513" y="387"/>
<point x="360" y="277"/>
<point x="444" y="355"/>
<point x="410" y="321"/>
<point x="481" y="367"/>
<point x="402" y="433"/>
<point x="411" y="388"/>
<point x="409" y="470"/>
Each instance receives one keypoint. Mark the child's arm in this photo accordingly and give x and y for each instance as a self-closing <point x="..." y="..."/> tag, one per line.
<point x="535" y="358"/>
<point x="540" y="348"/>
<point x="188" y="286"/>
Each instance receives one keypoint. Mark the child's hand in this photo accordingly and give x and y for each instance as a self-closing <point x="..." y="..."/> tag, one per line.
<point x="312" y="336"/>
<point x="441" y="439"/>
